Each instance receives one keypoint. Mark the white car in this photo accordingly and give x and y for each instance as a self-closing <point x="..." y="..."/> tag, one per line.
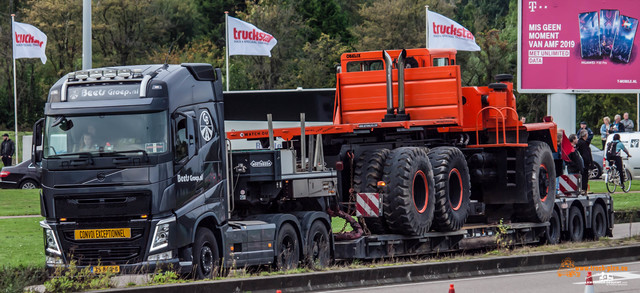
<point x="631" y="141"/>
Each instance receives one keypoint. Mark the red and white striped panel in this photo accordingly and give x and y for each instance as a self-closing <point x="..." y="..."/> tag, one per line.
<point x="368" y="205"/>
<point x="569" y="184"/>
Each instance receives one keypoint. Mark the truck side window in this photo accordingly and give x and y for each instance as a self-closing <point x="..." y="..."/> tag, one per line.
<point x="180" y="143"/>
<point x="369" y="65"/>
<point x="440" y="61"/>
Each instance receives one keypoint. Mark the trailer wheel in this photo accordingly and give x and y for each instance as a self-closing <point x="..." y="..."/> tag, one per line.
<point x="540" y="174"/>
<point x="552" y="235"/>
<point x="576" y="224"/>
<point x="287" y="248"/>
<point x="369" y="168"/>
<point x="452" y="188"/>
<point x="409" y="199"/>
<point x="598" y="223"/>
<point x="318" y="246"/>
<point x="206" y="259"/>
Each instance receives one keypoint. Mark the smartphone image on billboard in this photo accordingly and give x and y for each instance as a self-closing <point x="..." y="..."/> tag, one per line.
<point x="609" y="23"/>
<point x="589" y="35"/>
<point x="623" y="42"/>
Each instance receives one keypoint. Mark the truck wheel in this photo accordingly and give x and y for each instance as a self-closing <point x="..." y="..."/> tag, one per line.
<point x="552" y="235"/>
<point x="540" y="174"/>
<point x="598" y="223"/>
<point x="206" y="260"/>
<point x="409" y="198"/>
<point x="452" y="188"/>
<point x="576" y="224"/>
<point x="318" y="246"/>
<point x="287" y="248"/>
<point x="368" y="171"/>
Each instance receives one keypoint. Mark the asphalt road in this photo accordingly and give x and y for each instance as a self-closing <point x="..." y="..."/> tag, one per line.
<point x="623" y="231"/>
<point x="546" y="282"/>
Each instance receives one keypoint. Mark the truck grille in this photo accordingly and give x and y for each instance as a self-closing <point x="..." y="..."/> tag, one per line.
<point x="105" y="251"/>
<point x="105" y="255"/>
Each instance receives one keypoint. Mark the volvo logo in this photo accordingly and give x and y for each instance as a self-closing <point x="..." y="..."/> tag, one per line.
<point x="101" y="176"/>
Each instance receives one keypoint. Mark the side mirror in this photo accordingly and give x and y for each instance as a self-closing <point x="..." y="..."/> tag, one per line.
<point x="37" y="132"/>
<point x="36" y="154"/>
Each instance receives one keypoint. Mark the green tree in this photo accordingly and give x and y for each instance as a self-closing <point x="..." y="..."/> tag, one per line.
<point x="318" y="67"/>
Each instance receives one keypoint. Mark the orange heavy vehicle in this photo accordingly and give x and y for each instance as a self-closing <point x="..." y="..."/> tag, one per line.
<point x="431" y="150"/>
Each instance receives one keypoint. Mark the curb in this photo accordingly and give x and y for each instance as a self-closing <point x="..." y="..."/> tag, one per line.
<point x="412" y="273"/>
<point x="19" y="217"/>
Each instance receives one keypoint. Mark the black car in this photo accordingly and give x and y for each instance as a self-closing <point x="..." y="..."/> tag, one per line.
<point x="24" y="175"/>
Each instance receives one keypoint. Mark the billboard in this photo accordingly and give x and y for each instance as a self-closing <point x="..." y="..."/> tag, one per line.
<point x="578" y="46"/>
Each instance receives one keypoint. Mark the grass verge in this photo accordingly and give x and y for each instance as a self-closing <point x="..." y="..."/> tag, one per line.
<point x="21" y="242"/>
<point x="18" y="202"/>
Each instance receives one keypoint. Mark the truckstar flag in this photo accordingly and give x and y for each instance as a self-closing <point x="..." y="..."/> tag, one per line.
<point x="28" y="42"/>
<point x="246" y="39"/>
<point x="446" y="33"/>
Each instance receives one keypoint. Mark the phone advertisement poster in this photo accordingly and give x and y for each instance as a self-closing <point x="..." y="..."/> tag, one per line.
<point x="578" y="46"/>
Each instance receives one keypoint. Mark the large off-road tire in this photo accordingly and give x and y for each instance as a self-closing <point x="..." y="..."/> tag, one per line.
<point x="206" y="259"/>
<point x="540" y="174"/>
<point x="287" y="248"/>
<point x="409" y="198"/>
<point x="452" y="188"/>
<point x="368" y="170"/>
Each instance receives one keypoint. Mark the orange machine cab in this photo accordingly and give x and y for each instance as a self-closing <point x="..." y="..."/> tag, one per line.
<point x="432" y="91"/>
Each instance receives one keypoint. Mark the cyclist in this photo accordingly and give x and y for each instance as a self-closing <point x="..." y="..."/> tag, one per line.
<point x="614" y="155"/>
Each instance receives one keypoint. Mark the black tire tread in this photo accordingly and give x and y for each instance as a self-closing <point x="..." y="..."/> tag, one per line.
<point x="369" y="168"/>
<point x="534" y="211"/>
<point x="441" y="159"/>
<point x="398" y="203"/>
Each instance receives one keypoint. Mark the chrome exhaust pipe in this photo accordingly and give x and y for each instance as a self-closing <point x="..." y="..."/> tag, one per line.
<point x="388" y="62"/>
<point x="401" y="61"/>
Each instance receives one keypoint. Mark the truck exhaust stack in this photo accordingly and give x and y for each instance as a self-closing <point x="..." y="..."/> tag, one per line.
<point x="391" y="115"/>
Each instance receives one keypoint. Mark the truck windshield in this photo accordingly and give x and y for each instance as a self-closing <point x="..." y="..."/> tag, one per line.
<point x="106" y="134"/>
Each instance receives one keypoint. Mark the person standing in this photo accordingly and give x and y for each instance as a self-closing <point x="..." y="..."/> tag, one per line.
<point x="583" y="126"/>
<point x="576" y="164"/>
<point x="582" y="146"/>
<point x="604" y="130"/>
<point x="7" y="149"/>
<point x="617" y="125"/>
<point x="628" y="123"/>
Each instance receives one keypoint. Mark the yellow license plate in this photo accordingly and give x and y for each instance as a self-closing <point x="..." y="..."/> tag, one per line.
<point x="105" y="269"/>
<point x="114" y="233"/>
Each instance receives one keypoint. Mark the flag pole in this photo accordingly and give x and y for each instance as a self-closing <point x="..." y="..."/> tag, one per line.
<point x="426" y="9"/>
<point x="226" y="32"/>
<point x="15" y="89"/>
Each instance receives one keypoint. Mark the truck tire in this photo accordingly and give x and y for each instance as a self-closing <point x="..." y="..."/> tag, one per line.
<point x="576" y="224"/>
<point x="369" y="168"/>
<point x="409" y="198"/>
<point x="206" y="259"/>
<point x="287" y="248"/>
<point x="540" y="174"/>
<point x="318" y="246"/>
<point x="452" y="188"/>
<point x="554" y="230"/>
<point x="598" y="223"/>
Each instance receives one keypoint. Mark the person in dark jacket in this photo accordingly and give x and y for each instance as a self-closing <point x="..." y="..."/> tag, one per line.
<point x="585" y="152"/>
<point x="7" y="149"/>
<point x="575" y="165"/>
<point x="583" y="126"/>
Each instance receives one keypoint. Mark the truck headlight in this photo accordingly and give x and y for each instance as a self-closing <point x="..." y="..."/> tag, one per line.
<point x="161" y="234"/>
<point x="50" y="239"/>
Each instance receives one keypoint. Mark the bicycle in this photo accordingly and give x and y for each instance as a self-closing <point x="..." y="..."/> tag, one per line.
<point x="613" y="178"/>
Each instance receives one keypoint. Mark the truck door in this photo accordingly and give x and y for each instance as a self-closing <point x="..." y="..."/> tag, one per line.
<point x="187" y="165"/>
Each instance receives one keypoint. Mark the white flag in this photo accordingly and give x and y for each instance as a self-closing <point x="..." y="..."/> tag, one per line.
<point x="246" y="39"/>
<point x="446" y="33"/>
<point x="28" y="42"/>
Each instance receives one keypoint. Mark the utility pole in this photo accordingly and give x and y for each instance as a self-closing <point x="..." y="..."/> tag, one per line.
<point x="86" y="35"/>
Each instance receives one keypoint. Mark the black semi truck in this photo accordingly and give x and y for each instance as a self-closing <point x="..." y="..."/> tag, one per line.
<point x="137" y="173"/>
